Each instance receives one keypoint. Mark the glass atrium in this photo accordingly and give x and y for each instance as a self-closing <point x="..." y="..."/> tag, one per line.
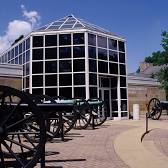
<point x="72" y="58"/>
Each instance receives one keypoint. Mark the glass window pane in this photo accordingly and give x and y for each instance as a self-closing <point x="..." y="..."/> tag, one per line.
<point x="20" y="48"/>
<point x="79" y="92"/>
<point x="24" y="46"/>
<point x="92" y="65"/>
<point x="37" y="54"/>
<point x="16" y="51"/>
<point x="121" y="46"/>
<point x="24" y="58"/>
<point x="37" y="67"/>
<point x="122" y="81"/>
<point x="78" y="38"/>
<point x="65" y="39"/>
<point x="122" y="57"/>
<point x="114" y="82"/>
<point x="37" y="81"/>
<point x="51" y="53"/>
<point x="93" y="92"/>
<point x="124" y="114"/>
<point x="50" y="80"/>
<point x="51" y="66"/>
<point x="78" y="65"/>
<point x="114" y="93"/>
<point x="112" y="44"/>
<point x="105" y="82"/>
<point x="92" y="39"/>
<point x="66" y="92"/>
<point x="51" y="92"/>
<point x="123" y="105"/>
<point x="122" y="69"/>
<point x="114" y="105"/>
<point x="51" y="40"/>
<point x="23" y="82"/>
<point x="27" y="82"/>
<point x="102" y="54"/>
<point x="92" y="52"/>
<point x="66" y="26"/>
<point x="37" y="91"/>
<point x="37" y="41"/>
<point x="20" y="59"/>
<point x="113" y="68"/>
<point x="102" y="67"/>
<point x="9" y="55"/>
<point x="78" y="25"/>
<point x="24" y="70"/>
<point x="65" y="52"/>
<point x="92" y="79"/>
<point x="113" y="56"/>
<point x="27" y="55"/>
<point x="79" y="79"/>
<point x="12" y="54"/>
<point x="78" y="52"/>
<point x="12" y="61"/>
<point x="65" y="79"/>
<point x="16" y="60"/>
<point x="27" y="69"/>
<point x="123" y="93"/>
<point x="102" y="41"/>
<point x="65" y="65"/>
<point x="27" y="43"/>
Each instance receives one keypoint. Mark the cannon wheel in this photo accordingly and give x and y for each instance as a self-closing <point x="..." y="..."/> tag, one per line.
<point x="83" y="114"/>
<point x="154" y="109"/>
<point x="53" y="126"/>
<point x="17" y="148"/>
<point x="69" y="117"/>
<point x="99" y="112"/>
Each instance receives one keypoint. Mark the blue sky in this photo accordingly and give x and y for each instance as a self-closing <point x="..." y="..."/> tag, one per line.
<point x="139" y="22"/>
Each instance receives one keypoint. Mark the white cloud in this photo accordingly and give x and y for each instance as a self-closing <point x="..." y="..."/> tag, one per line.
<point x="16" y="28"/>
<point x="32" y="16"/>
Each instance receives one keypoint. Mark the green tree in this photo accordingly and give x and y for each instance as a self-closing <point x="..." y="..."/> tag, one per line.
<point x="157" y="58"/>
<point x="161" y="58"/>
<point x="163" y="79"/>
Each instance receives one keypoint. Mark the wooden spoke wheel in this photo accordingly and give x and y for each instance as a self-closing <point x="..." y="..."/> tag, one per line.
<point x="99" y="111"/>
<point x="83" y="114"/>
<point x="18" y="113"/>
<point x="53" y="120"/>
<point x="154" y="109"/>
<point x="69" y="117"/>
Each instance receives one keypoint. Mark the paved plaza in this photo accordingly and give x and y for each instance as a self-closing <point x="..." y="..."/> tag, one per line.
<point x="116" y="144"/>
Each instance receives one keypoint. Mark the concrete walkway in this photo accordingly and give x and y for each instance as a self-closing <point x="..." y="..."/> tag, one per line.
<point x="141" y="155"/>
<point x="116" y="144"/>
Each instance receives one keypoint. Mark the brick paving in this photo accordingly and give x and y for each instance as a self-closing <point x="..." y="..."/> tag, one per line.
<point x="159" y="136"/>
<point x="160" y="139"/>
<point x="87" y="149"/>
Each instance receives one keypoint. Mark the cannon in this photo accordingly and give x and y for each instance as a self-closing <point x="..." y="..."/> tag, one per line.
<point x="28" y="120"/>
<point x="87" y="112"/>
<point x="23" y="127"/>
<point x="99" y="111"/>
<point x="154" y="111"/>
<point x="80" y="117"/>
<point x="155" y="107"/>
<point x="58" y="123"/>
<point x="17" y="148"/>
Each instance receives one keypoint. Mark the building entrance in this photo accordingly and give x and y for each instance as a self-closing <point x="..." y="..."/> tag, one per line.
<point x="104" y="94"/>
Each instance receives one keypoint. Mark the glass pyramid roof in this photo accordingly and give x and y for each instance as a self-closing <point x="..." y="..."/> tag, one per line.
<point x="71" y="22"/>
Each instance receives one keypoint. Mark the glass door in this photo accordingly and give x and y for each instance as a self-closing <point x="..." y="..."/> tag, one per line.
<point x="104" y="94"/>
